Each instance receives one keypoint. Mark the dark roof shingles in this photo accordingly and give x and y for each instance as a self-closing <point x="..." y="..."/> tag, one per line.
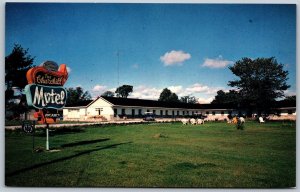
<point x="153" y="103"/>
<point x="80" y="103"/>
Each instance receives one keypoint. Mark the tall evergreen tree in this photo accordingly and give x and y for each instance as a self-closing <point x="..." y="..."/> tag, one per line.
<point x="260" y="81"/>
<point x="17" y="63"/>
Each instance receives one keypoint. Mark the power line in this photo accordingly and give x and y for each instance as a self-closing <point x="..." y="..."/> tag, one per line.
<point x="118" y="68"/>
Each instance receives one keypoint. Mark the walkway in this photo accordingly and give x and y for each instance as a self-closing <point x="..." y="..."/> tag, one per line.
<point x="78" y="124"/>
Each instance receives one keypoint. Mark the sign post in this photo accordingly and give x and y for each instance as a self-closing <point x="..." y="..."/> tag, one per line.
<point x="47" y="137"/>
<point x="29" y="128"/>
<point x="44" y="92"/>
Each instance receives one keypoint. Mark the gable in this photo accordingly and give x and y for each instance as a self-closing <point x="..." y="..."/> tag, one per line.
<point x="100" y="102"/>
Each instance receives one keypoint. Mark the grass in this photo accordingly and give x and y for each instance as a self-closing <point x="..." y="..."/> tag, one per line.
<point x="215" y="155"/>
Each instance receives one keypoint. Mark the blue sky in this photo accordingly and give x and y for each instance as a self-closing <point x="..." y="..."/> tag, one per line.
<point x="184" y="47"/>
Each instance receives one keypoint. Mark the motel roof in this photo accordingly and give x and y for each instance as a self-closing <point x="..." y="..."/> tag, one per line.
<point x="84" y="103"/>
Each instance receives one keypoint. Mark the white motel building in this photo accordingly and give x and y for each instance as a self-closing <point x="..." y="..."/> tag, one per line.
<point x="116" y="108"/>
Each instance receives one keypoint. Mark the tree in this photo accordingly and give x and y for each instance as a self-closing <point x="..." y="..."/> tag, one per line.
<point x="108" y="94"/>
<point x="188" y="99"/>
<point x="260" y="82"/>
<point x="124" y="91"/>
<point x="167" y="95"/>
<point x="231" y="97"/>
<point x="17" y="63"/>
<point x="76" y="95"/>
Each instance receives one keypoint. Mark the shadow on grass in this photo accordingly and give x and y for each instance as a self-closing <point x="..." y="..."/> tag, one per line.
<point x="63" y="159"/>
<point x="83" y="143"/>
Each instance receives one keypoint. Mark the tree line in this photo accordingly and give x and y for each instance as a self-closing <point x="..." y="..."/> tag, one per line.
<point x="258" y="84"/>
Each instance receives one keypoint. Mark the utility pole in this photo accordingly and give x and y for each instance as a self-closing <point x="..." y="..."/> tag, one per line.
<point x="118" y="68"/>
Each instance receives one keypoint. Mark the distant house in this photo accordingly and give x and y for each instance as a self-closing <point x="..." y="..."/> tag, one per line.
<point x="116" y="108"/>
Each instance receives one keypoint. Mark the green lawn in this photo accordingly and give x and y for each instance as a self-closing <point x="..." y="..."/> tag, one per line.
<point x="156" y="155"/>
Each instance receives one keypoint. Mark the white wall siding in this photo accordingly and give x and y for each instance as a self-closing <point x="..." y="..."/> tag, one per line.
<point x="101" y="109"/>
<point x="73" y="113"/>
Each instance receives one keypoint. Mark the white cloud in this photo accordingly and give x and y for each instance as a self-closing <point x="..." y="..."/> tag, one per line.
<point x="216" y="63"/>
<point x="176" y="89"/>
<point x="205" y="100"/>
<point x="112" y="89"/>
<point x="289" y="92"/>
<point x="174" y="58"/>
<point x="197" y="88"/>
<point x="98" y="90"/>
<point x="145" y="92"/>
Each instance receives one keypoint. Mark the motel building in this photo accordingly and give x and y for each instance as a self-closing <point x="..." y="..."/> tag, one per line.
<point x="117" y="108"/>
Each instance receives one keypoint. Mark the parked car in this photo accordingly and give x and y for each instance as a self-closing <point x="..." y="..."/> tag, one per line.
<point x="149" y="116"/>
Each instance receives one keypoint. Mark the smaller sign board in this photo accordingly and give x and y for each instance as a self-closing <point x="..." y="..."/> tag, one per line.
<point x="52" y="115"/>
<point x="50" y="65"/>
<point x="28" y="127"/>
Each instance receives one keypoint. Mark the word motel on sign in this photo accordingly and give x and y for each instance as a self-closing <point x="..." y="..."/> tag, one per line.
<point x="45" y="96"/>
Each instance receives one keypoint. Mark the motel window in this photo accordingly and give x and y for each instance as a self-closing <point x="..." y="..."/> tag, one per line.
<point x="187" y="112"/>
<point x="290" y="112"/>
<point x="222" y="113"/>
<point x="207" y="112"/>
<point x="213" y="113"/>
<point x="99" y="110"/>
<point x="148" y="110"/>
<point x="154" y="112"/>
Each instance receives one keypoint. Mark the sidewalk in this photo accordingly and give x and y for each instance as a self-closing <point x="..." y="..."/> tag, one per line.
<point x="92" y="123"/>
